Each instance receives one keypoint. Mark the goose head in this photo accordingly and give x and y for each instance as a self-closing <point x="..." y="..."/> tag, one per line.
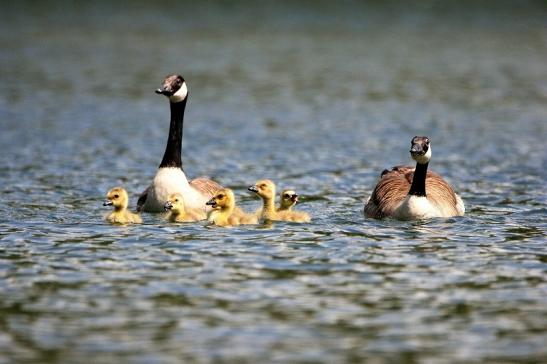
<point x="420" y="149"/>
<point x="265" y="188"/>
<point x="174" y="87"/>
<point x="175" y="204"/>
<point x="117" y="197"/>
<point x="288" y="199"/>
<point x="222" y="199"/>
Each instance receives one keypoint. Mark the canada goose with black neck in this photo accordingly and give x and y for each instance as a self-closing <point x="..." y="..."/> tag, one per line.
<point x="170" y="177"/>
<point x="407" y="193"/>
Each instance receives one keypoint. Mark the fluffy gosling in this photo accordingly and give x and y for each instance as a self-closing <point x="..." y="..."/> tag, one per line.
<point x="288" y="198"/>
<point x="118" y="198"/>
<point x="224" y="211"/>
<point x="176" y="212"/>
<point x="265" y="188"/>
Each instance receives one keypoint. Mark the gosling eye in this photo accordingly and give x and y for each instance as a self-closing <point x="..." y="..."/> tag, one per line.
<point x="116" y="196"/>
<point x="176" y="200"/>
<point x="286" y="196"/>
<point x="220" y="196"/>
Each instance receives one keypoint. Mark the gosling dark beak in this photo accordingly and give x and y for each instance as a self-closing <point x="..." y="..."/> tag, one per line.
<point x="417" y="150"/>
<point x="168" y="206"/>
<point x="107" y="203"/>
<point x="211" y="203"/>
<point x="253" y="189"/>
<point x="294" y="198"/>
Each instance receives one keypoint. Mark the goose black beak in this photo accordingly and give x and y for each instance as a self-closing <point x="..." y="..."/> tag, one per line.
<point x="253" y="189"/>
<point x="163" y="91"/>
<point x="417" y="150"/>
<point x="107" y="203"/>
<point x="168" y="206"/>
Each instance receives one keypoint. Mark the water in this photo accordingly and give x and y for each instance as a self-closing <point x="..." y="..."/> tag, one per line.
<point x="320" y="97"/>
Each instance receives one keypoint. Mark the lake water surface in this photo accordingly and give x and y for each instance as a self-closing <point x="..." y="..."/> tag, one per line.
<point x="318" y="96"/>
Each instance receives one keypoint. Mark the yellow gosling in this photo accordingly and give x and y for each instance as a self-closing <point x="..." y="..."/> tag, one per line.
<point x="224" y="211"/>
<point x="265" y="188"/>
<point x="176" y="212"/>
<point x="288" y="198"/>
<point x="118" y="198"/>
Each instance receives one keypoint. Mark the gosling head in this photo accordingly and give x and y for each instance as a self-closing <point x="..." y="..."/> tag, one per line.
<point x="265" y="188"/>
<point x="222" y="199"/>
<point x="175" y="203"/>
<point x="174" y="87"/>
<point x="117" y="197"/>
<point x="289" y="198"/>
<point x="420" y="149"/>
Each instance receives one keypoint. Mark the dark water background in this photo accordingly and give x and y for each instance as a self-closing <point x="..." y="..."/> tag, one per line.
<point x="319" y="96"/>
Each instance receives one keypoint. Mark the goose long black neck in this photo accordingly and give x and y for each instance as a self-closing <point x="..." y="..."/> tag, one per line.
<point x="172" y="155"/>
<point x="418" y="181"/>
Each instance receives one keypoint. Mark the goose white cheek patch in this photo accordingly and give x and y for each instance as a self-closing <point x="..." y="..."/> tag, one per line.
<point x="422" y="159"/>
<point x="180" y="95"/>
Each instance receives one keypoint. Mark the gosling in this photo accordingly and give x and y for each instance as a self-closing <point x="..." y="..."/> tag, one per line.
<point x="224" y="211"/>
<point x="176" y="212"/>
<point x="288" y="198"/>
<point x="265" y="188"/>
<point x="118" y="198"/>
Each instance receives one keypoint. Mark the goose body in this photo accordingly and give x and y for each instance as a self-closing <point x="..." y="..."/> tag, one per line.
<point x="170" y="177"/>
<point x="118" y="198"/>
<point x="265" y="188"/>
<point x="408" y="193"/>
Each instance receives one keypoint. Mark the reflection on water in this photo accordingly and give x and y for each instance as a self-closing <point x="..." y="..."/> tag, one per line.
<point x="321" y="98"/>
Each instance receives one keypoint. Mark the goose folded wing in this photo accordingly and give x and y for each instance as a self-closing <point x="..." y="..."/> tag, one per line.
<point x="205" y="185"/>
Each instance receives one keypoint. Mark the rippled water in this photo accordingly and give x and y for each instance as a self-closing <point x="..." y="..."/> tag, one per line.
<point x="317" y="96"/>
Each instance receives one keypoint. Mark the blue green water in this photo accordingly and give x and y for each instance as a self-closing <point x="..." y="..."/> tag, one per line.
<point x="318" y="96"/>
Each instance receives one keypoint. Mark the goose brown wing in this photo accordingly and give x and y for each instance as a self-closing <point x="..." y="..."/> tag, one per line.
<point x="205" y="185"/>
<point x="441" y="194"/>
<point x="389" y="192"/>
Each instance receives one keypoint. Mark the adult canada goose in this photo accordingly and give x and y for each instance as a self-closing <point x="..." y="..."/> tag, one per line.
<point x="170" y="177"/>
<point x="177" y="211"/>
<point x="225" y="212"/>
<point x="288" y="198"/>
<point x="412" y="193"/>
<point x="265" y="188"/>
<point x="118" y="198"/>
